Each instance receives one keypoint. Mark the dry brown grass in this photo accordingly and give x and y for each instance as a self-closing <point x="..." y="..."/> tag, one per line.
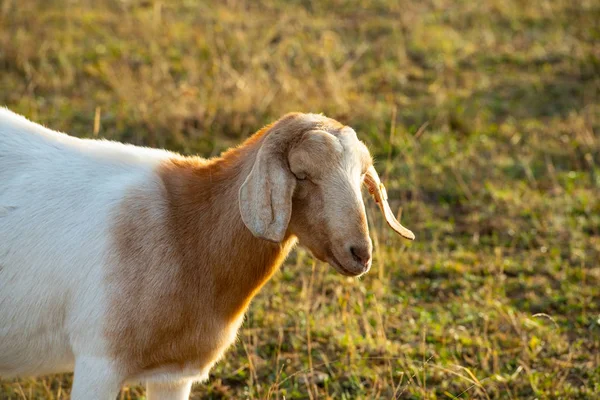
<point x="484" y="117"/>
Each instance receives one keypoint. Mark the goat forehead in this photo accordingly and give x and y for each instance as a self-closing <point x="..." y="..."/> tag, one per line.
<point x="355" y="155"/>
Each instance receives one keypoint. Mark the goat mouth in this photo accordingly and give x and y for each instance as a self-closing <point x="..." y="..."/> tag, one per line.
<point x="338" y="266"/>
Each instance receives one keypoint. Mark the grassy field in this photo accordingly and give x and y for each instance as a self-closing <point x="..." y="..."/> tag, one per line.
<point x="484" y="119"/>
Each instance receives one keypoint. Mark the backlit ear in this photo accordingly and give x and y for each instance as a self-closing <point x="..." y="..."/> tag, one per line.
<point x="266" y="194"/>
<point x="378" y="192"/>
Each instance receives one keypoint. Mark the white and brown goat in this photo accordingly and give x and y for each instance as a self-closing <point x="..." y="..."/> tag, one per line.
<point x="123" y="263"/>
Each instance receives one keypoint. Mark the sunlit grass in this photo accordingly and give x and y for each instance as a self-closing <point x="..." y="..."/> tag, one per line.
<point x="484" y="119"/>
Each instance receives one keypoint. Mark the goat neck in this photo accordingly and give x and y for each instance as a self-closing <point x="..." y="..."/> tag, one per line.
<point x="214" y="244"/>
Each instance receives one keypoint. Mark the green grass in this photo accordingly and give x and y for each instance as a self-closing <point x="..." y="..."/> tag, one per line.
<point x="484" y="118"/>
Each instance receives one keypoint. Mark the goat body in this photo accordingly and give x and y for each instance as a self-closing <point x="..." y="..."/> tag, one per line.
<point x="123" y="263"/>
<point x="119" y="262"/>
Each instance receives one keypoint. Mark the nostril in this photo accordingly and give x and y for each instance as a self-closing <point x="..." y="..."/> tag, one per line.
<point x="361" y="255"/>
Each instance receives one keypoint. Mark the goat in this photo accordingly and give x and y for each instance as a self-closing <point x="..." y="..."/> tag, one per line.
<point x="129" y="264"/>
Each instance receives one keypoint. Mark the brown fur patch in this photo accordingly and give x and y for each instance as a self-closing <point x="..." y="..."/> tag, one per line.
<point x="186" y="266"/>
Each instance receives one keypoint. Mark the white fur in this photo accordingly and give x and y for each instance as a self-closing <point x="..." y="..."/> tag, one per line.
<point x="57" y="194"/>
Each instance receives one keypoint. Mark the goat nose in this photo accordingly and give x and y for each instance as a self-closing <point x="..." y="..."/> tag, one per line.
<point x="361" y="255"/>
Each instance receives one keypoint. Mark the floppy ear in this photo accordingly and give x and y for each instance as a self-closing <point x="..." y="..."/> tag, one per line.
<point x="378" y="191"/>
<point x="266" y="194"/>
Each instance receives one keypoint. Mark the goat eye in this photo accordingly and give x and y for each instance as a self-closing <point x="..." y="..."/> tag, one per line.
<point x="301" y="176"/>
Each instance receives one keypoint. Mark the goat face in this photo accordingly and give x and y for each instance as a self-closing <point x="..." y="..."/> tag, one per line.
<point x="306" y="181"/>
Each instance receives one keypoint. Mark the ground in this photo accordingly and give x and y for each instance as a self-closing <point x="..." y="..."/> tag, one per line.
<point x="484" y="119"/>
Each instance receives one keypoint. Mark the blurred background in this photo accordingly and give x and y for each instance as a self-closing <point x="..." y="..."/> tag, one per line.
<point x="483" y="117"/>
